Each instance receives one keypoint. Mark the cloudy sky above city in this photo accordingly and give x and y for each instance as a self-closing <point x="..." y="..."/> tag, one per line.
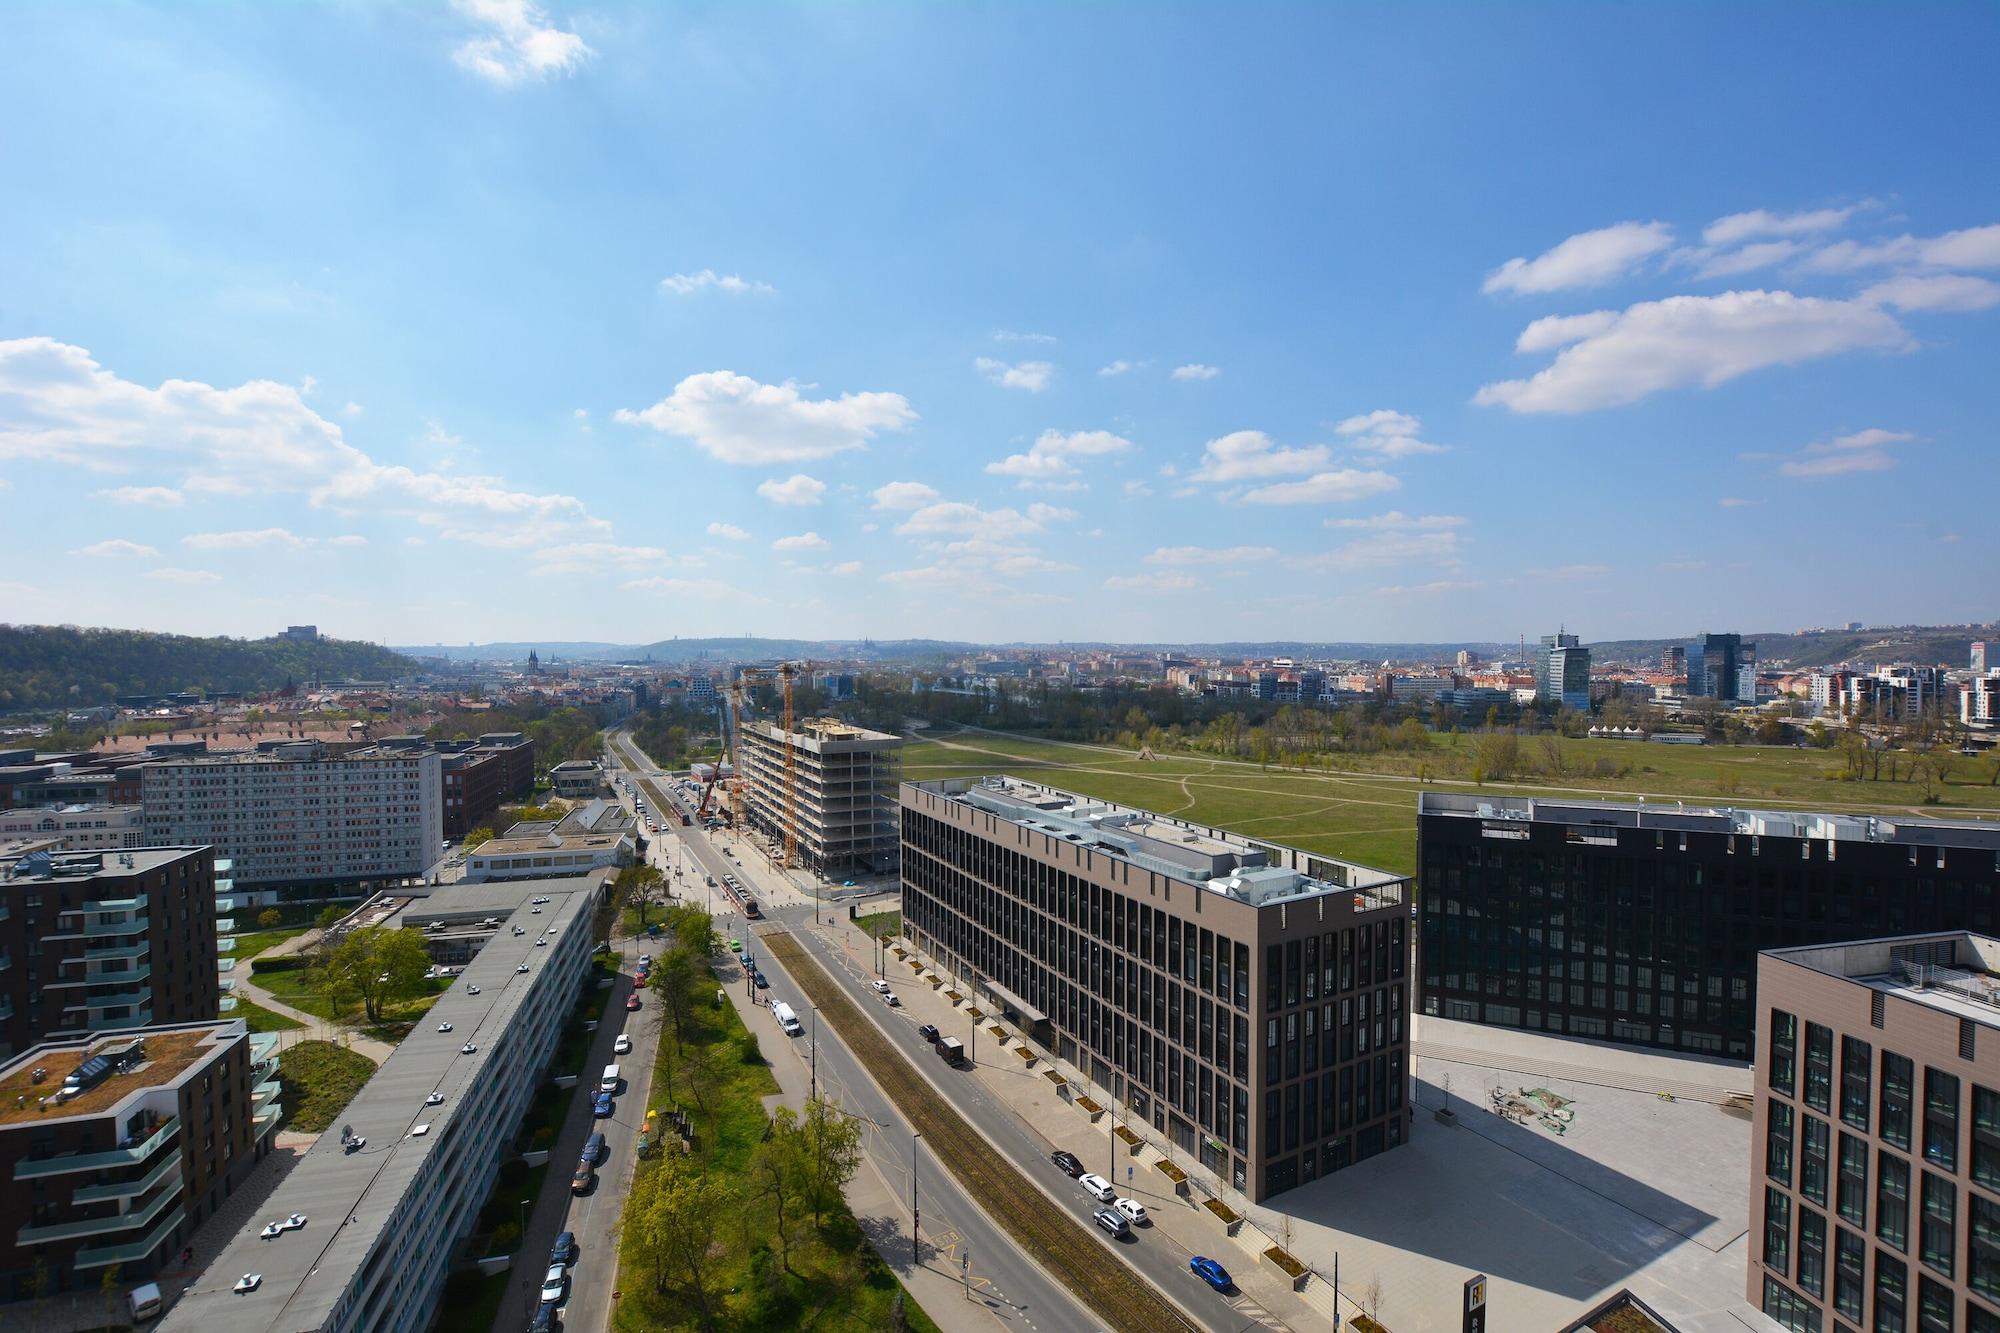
<point x="494" y="320"/>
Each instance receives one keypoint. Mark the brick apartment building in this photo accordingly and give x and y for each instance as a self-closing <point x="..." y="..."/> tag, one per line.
<point x="1875" y="1147"/>
<point x="167" y="1121"/>
<point x="1250" y="1001"/>
<point x="93" y="941"/>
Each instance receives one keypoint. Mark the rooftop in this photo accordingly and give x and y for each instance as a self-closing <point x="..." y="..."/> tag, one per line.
<point x="1718" y="819"/>
<point x="824" y="730"/>
<point x="167" y="1055"/>
<point x="1259" y="873"/>
<point x="1956" y="972"/>
<point x="567" y="842"/>
<point x="349" y="1198"/>
<point x="34" y="865"/>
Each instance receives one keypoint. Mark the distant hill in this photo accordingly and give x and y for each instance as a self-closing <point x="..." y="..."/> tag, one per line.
<point x="50" y="666"/>
<point x="1949" y="645"/>
<point x="745" y="649"/>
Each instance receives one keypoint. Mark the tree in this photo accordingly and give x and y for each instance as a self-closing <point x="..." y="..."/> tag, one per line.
<point x="677" y="1209"/>
<point x="834" y="1143"/>
<point x="330" y="916"/>
<point x="484" y="833"/>
<point x="678" y="979"/>
<point x="777" y="1167"/>
<point x="1498" y="754"/>
<point x="375" y="965"/>
<point x="637" y="886"/>
<point x="270" y="918"/>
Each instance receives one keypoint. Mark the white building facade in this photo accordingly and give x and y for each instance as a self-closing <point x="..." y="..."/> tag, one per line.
<point x="78" y="828"/>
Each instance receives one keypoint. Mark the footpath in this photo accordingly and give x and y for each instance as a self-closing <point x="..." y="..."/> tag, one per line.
<point x="311" y="1026"/>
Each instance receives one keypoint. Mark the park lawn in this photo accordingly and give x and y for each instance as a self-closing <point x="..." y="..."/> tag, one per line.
<point x="250" y="943"/>
<point x="1362" y="807"/>
<point x="317" y="1080"/>
<point x="260" y="1019"/>
<point x="296" y="989"/>
<point x="878" y="924"/>
<point x="838" y="1284"/>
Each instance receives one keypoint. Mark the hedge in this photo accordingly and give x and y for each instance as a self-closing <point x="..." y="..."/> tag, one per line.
<point x="284" y="962"/>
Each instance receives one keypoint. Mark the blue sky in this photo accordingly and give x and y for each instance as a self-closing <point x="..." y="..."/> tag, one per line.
<point x="494" y="320"/>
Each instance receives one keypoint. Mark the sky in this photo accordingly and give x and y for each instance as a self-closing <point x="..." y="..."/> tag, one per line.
<point x="491" y="320"/>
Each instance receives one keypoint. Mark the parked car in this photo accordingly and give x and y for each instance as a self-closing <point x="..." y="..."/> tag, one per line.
<point x="631" y="1003"/>
<point x="601" y="1106"/>
<point x="1112" y="1221"/>
<point x="928" y="1031"/>
<point x="881" y="987"/>
<point x="763" y="982"/>
<point x="564" y="1250"/>
<point x="1211" y="1272"/>
<point x="1068" y="1161"/>
<point x="545" y="1318"/>
<point x="593" y="1149"/>
<point x="1097" y="1187"/>
<point x="889" y="998"/>
<point x="555" y="1284"/>
<point x="584" y="1178"/>
<point x="623" y="1046"/>
<point x="1135" y="1212"/>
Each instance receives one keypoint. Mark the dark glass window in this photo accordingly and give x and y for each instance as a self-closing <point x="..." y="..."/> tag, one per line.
<point x="1982" y="1246"/>
<point x="1892" y="1279"/>
<point x="1812" y="1253"/>
<point x="1979" y="1319"/>
<point x="1777" y="1230"/>
<point x="1778" y="1143"/>
<point x="1892" y="1200"/>
<point x="1938" y="1227"/>
<point x="1784" y="1052"/>
<point x="1814" y="1163"/>
<point x="1853" y="1205"/>
<point x="1941" y="1119"/>
<point x="1899" y="1081"/>
<point x="1933" y="1305"/>
<point x="1819" y="1067"/>
<point x="1789" y="1308"/>
<point x="1986" y="1137"/>
<point x="1850" y="1274"/>
<point x="1855" y="1059"/>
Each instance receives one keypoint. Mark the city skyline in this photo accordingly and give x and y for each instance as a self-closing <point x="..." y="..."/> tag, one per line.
<point x="500" y="321"/>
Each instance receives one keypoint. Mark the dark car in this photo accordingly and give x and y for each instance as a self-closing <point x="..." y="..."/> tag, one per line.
<point x="1211" y="1272"/>
<point x="1068" y="1161"/>
<point x="545" y="1319"/>
<point x="928" y="1031"/>
<point x="564" y="1250"/>
<point x="601" y="1106"/>
<point x="593" y="1149"/>
<point x="585" y="1177"/>
<point x="763" y="982"/>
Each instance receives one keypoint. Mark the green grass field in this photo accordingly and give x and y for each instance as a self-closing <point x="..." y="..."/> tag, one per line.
<point x="250" y="943"/>
<point x="1364" y="807"/>
<point x="318" y="1079"/>
<point x="260" y="1019"/>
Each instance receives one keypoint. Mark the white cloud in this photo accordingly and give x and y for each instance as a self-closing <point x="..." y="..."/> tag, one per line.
<point x="797" y="489"/>
<point x="728" y="530"/>
<point x="1209" y="555"/>
<point x="1863" y="451"/>
<point x="845" y="569"/>
<point x="595" y="557"/>
<point x="242" y="539"/>
<point x="116" y="546"/>
<point x="1705" y="340"/>
<point x="1339" y="486"/>
<point x="1137" y="488"/>
<point x="1195" y="370"/>
<point x="1034" y="376"/>
<point x="738" y="420"/>
<point x="693" y="587"/>
<point x="1166" y="580"/>
<point x="1118" y="367"/>
<point x="1740" y="227"/>
<point x="1390" y="434"/>
<point x="350" y="539"/>
<point x="1430" y="589"/>
<point x="1710" y="262"/>
<point x="155" y="497"/>
<point x="1398" y="521"/>
<point x="188" y="576"/>
<point x="687" y="284"/>
<point x="1049" y="457"/>
<point x="1737" y="502"/>
<point x="957" y="519"/>
<point x="1553" y="331"/>
<point x="1026" y="562"/>
<point x="1010" y="336"/>
<point x="257" y="439"/>
<point x="1587" y="259"/>
<point x="519" y="44"/>
<point x="1937" y="291"/>
<point x="905" y="495"/>
<point x="804" y="541"/>
<point x="1247" y="455"/>
<point x="1973" y="247"/>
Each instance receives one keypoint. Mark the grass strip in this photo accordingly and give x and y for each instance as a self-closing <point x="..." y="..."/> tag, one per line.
<point x="1118" y="1295"/>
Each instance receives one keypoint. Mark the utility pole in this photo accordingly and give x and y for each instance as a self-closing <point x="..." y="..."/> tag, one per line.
<point x="916" y="1136"/>
<point x="814" y="1096"/>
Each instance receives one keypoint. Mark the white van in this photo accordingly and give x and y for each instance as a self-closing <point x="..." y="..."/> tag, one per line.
<point x="145" y="1301"/>
<point x="610" y="1081"/>
<point x="787" y="1019"/>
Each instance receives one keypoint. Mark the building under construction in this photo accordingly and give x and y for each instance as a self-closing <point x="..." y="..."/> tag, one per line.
<point x="840" y="804"/>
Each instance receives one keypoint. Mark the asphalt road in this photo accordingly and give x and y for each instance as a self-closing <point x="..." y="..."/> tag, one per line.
<point x="1159" y="1259"/>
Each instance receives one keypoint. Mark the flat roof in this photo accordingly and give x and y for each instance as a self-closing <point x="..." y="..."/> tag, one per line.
<point x="549" y="842"/>
<point x="1954" y="971"/>
<point x="169" y="1054"/>
<point x="1691" y="817"/>
<point x="89" y="864"/>
<point x="348" y="1198"/>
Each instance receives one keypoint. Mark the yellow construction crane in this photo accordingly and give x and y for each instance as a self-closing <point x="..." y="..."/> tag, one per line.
<point x="785" y="672"/>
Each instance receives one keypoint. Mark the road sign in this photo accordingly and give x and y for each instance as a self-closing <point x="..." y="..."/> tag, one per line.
<point x="1475" y="1305"/>
<point x="1128" y="1175"/>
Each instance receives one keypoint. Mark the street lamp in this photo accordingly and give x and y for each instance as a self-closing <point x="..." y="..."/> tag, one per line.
<point x="915" y="1137"/>
<point x="815" y="1054"/>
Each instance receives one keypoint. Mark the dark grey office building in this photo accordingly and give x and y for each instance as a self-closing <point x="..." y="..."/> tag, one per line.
<point x="1722" y="666"/>
<point x="1246" y="999"/>
<point x="1642" y="923"/>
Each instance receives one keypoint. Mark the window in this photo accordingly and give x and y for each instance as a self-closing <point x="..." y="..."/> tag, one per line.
<point x="1892" y="1279"/>
<point x="1812" y="1253"/>
<point x="1853" y="1206"/>
<point x="1933" y="1306"/>
<point x="1899" y="1081"/>
<point x="1777" y="1230"/>
<point x="1849" y="1273"/>
<point x="1855" y="1058"/>
<point x="1982" y="1246"/>
<point x="1892" y="1200"/>
<point x="1778" y="1143"/>
<point x="1986" y="1137"/>
<point x="1788" y="1308"/>
<point x="1939" y="1223"/>
<point x="1814" y="1164"/>
<point x="1819" y="1067"/>
<point x="1784" y="1052"/>
<point x="1941" y="1119"/>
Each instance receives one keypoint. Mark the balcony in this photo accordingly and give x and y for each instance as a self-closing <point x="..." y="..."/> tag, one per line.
<point x="129" y="1189"/>
<point x="110" y="1160"/>
<point x="264" y="1121"/>
<point x="111" y="953"/>
<point x="265" y="1093"/>
<point x="101" y="1226"/>
<point x="132" y="1251"/>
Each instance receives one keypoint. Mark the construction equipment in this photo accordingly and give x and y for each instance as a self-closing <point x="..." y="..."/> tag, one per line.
<point x="785" y="673"/>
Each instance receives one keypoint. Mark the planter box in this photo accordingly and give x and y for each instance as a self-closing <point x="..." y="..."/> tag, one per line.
<point x="954" y="997"/>
<point x="1229" y="1216"/>
<point x="1294" y="1272"/>
<point x="1062" y="1084"/>
<point x="494" y="1264"/>
<point x="1091" y="1107"/>
<point x="566" y="1081"/>
<point x="997" y="1031"/>
<point x="974" y="1014"/>
<point x="1444" y="1115"/>
<point x="1175" y="1176"/>
<point x="1131" y="1140"/>
<point x="1028" y="1057"/>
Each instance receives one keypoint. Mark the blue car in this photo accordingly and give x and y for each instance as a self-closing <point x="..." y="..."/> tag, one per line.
<point x="565" y="1249"/>
<point x="600" y="1106"/>
<point x="1211" y="1272"/>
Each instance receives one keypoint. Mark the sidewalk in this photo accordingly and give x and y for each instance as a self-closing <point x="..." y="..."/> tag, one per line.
<point x="1051" y="1116"/>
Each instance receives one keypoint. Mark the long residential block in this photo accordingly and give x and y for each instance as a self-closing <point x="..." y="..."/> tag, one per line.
<point x="1248" y="1000"/>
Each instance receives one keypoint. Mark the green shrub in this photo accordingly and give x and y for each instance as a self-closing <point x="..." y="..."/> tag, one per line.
<point x="753" y="1054"/>
<point x="288" y="962"/>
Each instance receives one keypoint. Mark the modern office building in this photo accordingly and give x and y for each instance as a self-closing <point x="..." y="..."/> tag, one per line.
<point x="1979" y="701"/>
<point x="1875" y="1176"/>
<point x="842" y="812"/>
<point x="1641" y="923"/>
<point x="77" y="828"/>
<point x="545" y="855"/>
<point x="1247" y="1000"/>
<point x="1900" y="693"/>
<point x="163" y="1123"/>
<point x="1722" y="666"/>
<point x="94" y="941"/>
<point x="387" y="1216"/>
<point x="1562" y="672"/>
<point x="577" y="779"/>
<point x="296" y="814"/>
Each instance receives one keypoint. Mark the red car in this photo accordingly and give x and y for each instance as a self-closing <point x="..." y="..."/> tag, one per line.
<point x="631" y="1002"/>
